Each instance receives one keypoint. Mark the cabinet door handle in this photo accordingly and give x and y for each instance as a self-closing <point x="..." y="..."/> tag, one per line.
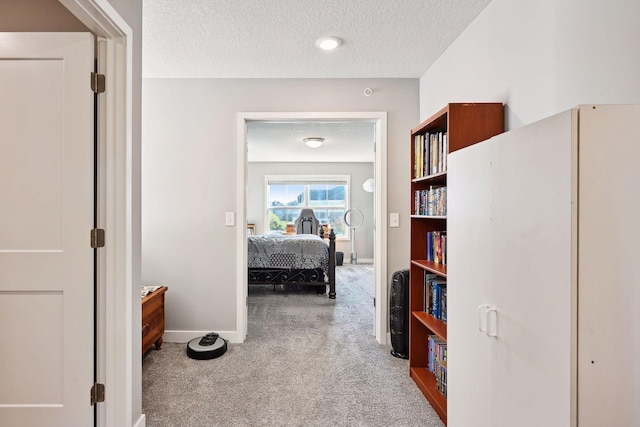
<point x="482" y="315"/>
<point x="491" y="331"/>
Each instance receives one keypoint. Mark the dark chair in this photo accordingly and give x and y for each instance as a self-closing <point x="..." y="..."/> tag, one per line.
<point x="307" y="223"/>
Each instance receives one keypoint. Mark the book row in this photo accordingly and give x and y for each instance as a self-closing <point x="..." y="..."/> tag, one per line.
<point x="437" y="247"/>
<point x="431" y="202"/>
<point x="430" y="154"/>
<point x="435" y="296"/>
<point x="437" y="362"/>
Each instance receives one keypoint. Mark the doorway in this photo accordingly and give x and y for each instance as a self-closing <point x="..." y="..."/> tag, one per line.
<point x="379" y="121"/>
<point x="117" y="357"/>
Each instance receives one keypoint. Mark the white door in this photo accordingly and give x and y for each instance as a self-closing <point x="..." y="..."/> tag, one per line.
<point x="46" y="214"/>
<point x="468" y="279"/>
<point x="609" y="304"/>
<point x="511" y="239"/>
<point x="532" y="207"/>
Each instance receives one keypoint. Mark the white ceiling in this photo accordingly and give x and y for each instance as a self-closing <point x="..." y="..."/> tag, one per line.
<point x="276" y="39"/>
<point x="282" y="141"/>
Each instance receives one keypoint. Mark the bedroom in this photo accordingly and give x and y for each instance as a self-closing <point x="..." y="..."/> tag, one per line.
<point x="285" y="175"/>
<point x="529" y="55"/>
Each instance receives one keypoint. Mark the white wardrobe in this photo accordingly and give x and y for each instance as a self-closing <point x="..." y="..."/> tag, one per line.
<point x="544" y="274"/>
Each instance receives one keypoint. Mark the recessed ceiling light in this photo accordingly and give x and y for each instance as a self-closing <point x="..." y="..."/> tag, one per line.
<point x="313" y="142"/>
<point x="328" y="43"/>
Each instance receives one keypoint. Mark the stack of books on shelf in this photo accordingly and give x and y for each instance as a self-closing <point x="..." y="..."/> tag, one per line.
<point x="437" y="362"/>
<point x="431" y="202"/>
<point x="437" y="247"/>
<point x="430" y="152"/>
<point x="435" y="296"/>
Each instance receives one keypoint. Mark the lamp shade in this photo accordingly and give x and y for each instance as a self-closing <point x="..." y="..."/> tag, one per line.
<point x="369" y="185"/>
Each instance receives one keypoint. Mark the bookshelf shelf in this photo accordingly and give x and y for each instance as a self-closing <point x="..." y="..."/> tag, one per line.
<point x="438" y="178"/>
<point x="430" y="266"/>
<point x="454" y="127"/>
<point x="436" y="326"/>
<point x="426" y="382"/>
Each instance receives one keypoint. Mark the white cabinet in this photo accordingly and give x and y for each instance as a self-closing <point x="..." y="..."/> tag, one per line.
<point x="468" y="356"/>
<point x="544" y="253"/>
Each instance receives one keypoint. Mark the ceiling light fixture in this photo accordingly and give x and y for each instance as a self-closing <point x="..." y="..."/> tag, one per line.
<point x="313" y="142"/>
<point x="328" y="43"/>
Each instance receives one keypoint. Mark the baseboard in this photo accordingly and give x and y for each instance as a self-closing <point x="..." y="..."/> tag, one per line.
<point x="142" y="421"/>
<point x="186" y="336"/>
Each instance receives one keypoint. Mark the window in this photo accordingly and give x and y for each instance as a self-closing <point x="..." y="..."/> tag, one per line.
<point x="328" y="196"/>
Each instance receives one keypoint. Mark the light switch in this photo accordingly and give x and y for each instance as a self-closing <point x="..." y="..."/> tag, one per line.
<point x="394" y="219"/>
<point x="229" y="219"/>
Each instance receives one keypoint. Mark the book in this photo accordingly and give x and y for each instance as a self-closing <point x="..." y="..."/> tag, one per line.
<point x="436" y="249"/>
<point x="436" y="288"/>
<point x="430" y="154"/>
<point x="443" y="305"/>
<point x="428" y="277"/>
<point x="434" y="154"/>
<point x="425" y="154"/>
<point x="431" y="202"/>
<point x="445" y="143"/>
<point x="437" y="361"/>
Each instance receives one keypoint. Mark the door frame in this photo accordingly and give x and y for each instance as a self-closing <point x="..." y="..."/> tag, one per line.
<point x="115" y="341"/>
<point x="380" y="209"/>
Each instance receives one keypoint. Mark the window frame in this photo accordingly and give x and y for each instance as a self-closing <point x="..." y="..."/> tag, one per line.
<point x="308" y="180"/>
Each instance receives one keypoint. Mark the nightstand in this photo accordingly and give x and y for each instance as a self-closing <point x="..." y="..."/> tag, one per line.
<point x="153" y="319"/>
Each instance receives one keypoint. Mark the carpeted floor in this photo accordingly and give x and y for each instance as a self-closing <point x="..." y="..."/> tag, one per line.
<point x="307" y="361"/>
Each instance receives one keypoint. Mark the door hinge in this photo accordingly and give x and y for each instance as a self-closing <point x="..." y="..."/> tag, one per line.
<point x="97" y="393"/>
<point x="97" y="238"/>
<point x="374" y="302"/>
<point x="97" y="82"/>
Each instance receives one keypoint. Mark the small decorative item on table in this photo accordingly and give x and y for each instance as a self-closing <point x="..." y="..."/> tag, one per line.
<point x="146" y="290"/>
<point x="291" y="228"/>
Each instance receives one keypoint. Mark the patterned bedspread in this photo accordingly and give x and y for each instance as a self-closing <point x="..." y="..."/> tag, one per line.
<point x="299" y="251"/>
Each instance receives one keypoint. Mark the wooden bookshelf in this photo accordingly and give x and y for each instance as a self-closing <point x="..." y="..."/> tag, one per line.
<point x="454" y="127"/>
<point x="426" y="382"/>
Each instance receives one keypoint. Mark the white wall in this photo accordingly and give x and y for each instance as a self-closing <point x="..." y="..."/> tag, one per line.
<point x="540" y="57"/>
<point x="189" y="173"/>
<point x="359" y="199"/>
<point x="37" y="15"/>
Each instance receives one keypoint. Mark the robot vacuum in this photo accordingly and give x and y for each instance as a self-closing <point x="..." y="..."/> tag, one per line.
<point x="207" y="347"/>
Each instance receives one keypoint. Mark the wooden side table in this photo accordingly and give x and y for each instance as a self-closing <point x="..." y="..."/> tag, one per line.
<point x="153" y="319"/>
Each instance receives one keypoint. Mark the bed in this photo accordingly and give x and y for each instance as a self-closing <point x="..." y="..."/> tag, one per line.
<point x="303" y="259"/>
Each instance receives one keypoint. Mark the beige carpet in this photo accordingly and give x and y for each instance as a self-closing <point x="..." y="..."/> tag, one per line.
<point x="307" y="361"/>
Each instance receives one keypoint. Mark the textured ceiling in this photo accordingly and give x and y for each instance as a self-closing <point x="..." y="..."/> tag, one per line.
<point x="276" y="38"/>
<point x="282" y="141"/>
